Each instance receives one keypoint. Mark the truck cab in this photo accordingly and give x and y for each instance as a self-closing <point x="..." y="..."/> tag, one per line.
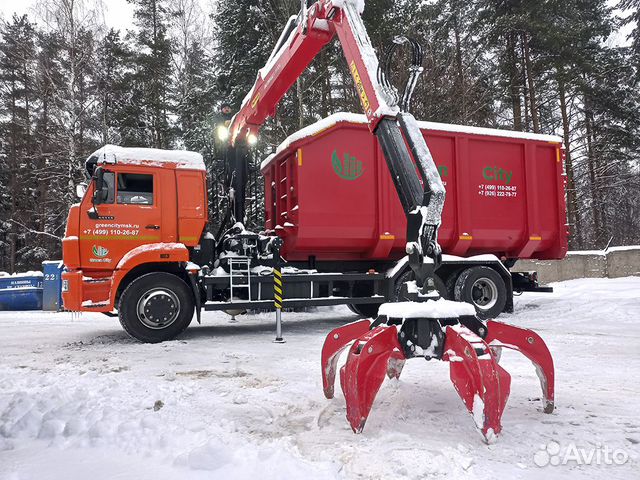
<point x="143" y="209"/>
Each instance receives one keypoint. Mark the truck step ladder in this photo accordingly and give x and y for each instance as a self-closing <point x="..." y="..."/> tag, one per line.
<point x="240" y="275"/>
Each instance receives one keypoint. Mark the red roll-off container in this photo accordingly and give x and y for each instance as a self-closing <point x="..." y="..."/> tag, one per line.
<point x="329" y="194"/>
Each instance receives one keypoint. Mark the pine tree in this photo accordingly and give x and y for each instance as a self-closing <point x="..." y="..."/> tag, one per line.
<point x="17" y="56"/>
<point x="196" y="103"/>
<point x="246" y="32"/>
<point x="612" y="123"/>
<point x="633" y="18"/>
<point x="152" y="80"/>
<point x="113" y="72"/>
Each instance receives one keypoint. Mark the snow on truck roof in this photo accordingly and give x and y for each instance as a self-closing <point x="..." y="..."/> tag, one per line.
<point x="147" y="156"/>
<point x="357" y="118"/>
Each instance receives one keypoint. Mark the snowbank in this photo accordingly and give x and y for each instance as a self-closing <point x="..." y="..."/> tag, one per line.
<point x="79" y="399"/>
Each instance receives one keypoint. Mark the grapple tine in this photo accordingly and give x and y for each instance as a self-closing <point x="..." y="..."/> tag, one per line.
<point x="337" y="340"/>
<point x="395" y="365"/>
<point x="364" y="372"/>
<point x="481" y="383"/>
<point x="531" y="345"/>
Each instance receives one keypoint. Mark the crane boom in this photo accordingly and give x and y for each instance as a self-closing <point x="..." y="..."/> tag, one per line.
<point x="421" y="195"/>
<point x="303" y="38"/>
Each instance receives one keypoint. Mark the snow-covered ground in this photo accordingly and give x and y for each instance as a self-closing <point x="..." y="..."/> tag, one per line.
<point x="79" y="399"/>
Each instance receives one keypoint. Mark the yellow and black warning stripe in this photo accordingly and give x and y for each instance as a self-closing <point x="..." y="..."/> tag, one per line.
<point x="277" y="287"/>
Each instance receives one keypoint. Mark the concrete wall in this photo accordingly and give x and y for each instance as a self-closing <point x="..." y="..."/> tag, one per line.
<point x="615" y="262"/>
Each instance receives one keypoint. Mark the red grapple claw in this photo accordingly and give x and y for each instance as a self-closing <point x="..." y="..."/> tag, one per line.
<point x="364" y="372"/>
<point x="337" y="340"/>
<point x="482" y="384"/>
<point x="531" y="346"/>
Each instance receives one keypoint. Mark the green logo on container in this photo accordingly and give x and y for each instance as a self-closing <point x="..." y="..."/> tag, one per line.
<point x="496" y="174"/>
<point x="99" y="251"/>
<point x="350" y="168"/>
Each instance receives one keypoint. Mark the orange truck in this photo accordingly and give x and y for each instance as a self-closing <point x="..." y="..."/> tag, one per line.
<point x="142" y="214"/>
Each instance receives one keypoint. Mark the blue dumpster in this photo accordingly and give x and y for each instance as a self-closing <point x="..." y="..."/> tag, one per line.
<point x="52" y="285"/>
<point x="21" y="291"/>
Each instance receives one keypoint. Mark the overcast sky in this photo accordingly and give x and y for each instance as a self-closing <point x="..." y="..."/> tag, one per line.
<point x="117" y="13"/>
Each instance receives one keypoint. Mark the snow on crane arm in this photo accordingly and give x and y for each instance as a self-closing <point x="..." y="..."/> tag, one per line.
<point x="359" y="4"/>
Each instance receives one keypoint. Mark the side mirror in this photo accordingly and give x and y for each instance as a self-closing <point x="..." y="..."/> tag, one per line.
<point x="101" y="192"/>
<point x="81" y="189"/>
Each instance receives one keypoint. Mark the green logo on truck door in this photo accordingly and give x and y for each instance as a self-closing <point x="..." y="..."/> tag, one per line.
<point x="99" y="251"/>
<point x="349" y="168"/>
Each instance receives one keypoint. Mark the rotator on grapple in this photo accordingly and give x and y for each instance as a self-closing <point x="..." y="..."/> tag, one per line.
<point x="425" y="325"/>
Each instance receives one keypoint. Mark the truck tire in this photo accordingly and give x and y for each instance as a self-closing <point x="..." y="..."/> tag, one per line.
<point x="450" y="286"/>
<point x="156" y="307"/>
<point x="368" y="310"/>
<point x="483" y="288"/>
<point x="409" y="276"/>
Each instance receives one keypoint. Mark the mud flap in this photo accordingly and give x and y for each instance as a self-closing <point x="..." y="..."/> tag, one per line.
<point x="531" y="345"/>
<point x="364" y="372"/>
<point x="482" y="384"/>
<point x="337" y="340"/>
<point x="196" y="296"/>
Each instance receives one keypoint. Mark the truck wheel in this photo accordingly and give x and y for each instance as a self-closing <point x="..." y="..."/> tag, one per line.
<point x="450" y="286"/>
<point x="409" y="276"/>
<point x="369" y="310"/>
<point x="484" y="288"/>
<point x="156" y="307"/>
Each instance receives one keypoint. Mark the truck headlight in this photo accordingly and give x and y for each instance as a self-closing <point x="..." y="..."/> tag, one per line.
<point x="222" y="132"/>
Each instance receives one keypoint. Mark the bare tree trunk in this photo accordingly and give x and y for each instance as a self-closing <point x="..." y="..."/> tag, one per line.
<point x="596" y="199"/>
<point x="575" y="230"/>
<point x="13" y="179"/>
<point x="600" y="172"/>
<point x="525" y="90"/>
<point x="300" y="103"/>
<point x="462" y="89"/>
<point x="43" y="153"/>
<point x="531" y="84"/>
<point x="513" y="81"/>
<point x="71" y="90"/>
<point x="598" y="186"/>
<point x="325" y="85"/>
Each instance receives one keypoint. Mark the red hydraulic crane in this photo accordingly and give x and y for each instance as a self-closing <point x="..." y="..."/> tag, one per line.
<point x="426" y="326"/>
